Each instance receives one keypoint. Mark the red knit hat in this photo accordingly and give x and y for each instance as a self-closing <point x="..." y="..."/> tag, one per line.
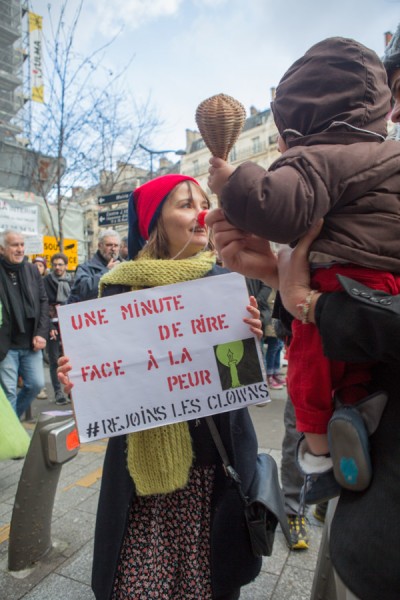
<point x="149" y="196"/>
<point x="144" y="206"/>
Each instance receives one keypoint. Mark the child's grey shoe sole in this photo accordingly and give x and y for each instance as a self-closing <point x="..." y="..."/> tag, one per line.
<point x="349" y="447"/>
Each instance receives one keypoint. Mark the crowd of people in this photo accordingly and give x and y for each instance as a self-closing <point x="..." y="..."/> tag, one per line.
<point x="30" y="293"/>
<point x="330" y="297"/>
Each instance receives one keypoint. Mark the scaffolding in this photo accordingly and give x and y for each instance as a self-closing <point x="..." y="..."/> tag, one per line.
<point x="12" y="98"/>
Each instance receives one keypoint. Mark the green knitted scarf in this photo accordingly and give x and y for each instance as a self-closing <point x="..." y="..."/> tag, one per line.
<point x="159" y="459"/>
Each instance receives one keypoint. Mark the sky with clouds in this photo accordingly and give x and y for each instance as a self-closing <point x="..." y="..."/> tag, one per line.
<point x="187" y="50"/>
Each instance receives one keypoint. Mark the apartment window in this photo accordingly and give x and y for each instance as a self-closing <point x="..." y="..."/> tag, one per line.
<point x="196" y="169"/>
<point x="273" y="139"/>
<point x="256" y="145"/>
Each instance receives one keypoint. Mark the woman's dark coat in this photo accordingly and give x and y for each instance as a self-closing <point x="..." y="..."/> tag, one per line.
<point x="232" y="563"/>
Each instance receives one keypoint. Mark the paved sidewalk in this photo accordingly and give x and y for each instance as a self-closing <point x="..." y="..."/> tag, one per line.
<point x="65" y="571"/>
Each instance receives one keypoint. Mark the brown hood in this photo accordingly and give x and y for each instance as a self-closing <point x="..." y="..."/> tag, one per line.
<point x="337" y="80"/>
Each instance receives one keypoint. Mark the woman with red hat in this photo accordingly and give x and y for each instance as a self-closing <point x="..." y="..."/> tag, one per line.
<point x="176" y="532"/>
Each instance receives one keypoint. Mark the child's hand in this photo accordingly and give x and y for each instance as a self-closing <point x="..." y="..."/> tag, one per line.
<point x="220" y="171"/>
<point x="64" y="367"/>
<point x="254" y="321"/>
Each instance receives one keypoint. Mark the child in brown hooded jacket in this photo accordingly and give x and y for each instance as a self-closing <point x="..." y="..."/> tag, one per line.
<point x="330" y="110"/>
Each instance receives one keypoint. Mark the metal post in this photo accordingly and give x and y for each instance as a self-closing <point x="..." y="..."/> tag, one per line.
<point x="324" y="587"/>
<point x="54" y="442"/>
<point x="153" y="152"/>
<point x="28" y="414"/>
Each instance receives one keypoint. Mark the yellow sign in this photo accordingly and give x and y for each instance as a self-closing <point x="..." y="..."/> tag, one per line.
<point x="51" y="247"/>
<point x="38" y="94"/>
<point x="36" y="59"/>
<point x="35" y="22"/>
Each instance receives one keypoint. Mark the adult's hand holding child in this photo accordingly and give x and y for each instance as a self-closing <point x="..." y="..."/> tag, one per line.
<point x="243" y="252"/>
<point x="294" y="273"/>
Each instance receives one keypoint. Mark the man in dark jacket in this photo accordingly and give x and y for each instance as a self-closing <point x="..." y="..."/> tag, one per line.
<point x="24" y="323"/>
<point x="87" y="277"/>
<point x="360" y="324"/>
<point x="58" y="286"/>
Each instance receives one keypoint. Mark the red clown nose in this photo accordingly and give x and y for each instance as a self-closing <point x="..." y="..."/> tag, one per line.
<point x="201" y="217"/>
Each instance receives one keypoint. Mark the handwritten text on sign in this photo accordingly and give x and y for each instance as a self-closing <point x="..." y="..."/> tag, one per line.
<point x="153" y="357"/>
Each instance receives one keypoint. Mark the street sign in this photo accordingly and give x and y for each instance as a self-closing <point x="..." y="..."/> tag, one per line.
<point x="50" y="247"/>
<point x="113" y="217"/>
<point x="110" y="198"/>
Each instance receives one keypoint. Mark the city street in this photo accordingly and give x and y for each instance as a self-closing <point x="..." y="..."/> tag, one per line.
<point x="122" y="125"/>
<point x="65" y="571"/>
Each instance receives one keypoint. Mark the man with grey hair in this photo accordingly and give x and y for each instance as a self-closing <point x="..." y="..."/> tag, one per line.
<point x="24" y="323"/>
<point x="86" y="283"/>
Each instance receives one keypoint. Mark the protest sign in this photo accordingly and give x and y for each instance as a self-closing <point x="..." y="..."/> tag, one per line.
<point x="157" y="356"/>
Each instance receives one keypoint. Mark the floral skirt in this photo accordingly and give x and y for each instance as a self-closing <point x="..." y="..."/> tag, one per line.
<point x="166" y="550"/>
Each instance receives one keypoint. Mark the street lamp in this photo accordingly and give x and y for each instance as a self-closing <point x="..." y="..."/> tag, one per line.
<point x="153" y="152"/>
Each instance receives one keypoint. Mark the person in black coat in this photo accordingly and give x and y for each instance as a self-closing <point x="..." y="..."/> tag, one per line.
<point x="190" y="542"/>
<point x="361" y="324"/>
<point x="57" y="284"/>
<point x="88" y="274"/>
<point x="357" y="324"/>
<point x="24" y="323"/>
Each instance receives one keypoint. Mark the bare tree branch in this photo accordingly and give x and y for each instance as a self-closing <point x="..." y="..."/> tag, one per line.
<point x="89" y="121"/>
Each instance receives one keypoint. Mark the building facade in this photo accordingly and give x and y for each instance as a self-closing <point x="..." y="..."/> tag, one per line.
<point x="26" y="176"/>
<point x="257" y="142"/>
<point x="108" y="215"/>
<point x="11" y="66"/>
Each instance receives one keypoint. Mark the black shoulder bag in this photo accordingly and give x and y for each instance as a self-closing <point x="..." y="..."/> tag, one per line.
<point x="263" y="505"/>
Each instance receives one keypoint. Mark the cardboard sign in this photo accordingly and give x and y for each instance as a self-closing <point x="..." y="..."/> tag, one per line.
<point x="161" y="355"/>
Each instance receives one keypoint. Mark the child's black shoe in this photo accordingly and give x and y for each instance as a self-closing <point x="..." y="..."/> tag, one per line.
<point x="319" y="480"/>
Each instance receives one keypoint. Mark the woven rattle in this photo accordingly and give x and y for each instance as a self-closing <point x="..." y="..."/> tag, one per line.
<point x="220" y="120"/>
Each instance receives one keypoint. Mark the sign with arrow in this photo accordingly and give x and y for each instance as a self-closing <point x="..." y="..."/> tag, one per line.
<point x="113" y="217"/>
<point x="111" y="198"/>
